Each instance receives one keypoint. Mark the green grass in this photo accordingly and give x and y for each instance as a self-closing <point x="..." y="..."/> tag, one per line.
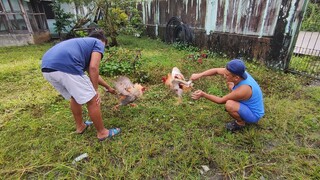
<point x="309" y="65"/>
<point x="159" y="140"/>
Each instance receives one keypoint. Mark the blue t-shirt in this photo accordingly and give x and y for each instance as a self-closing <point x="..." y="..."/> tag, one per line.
<point x="255" y="102"/>
<point x="72" y="56"/>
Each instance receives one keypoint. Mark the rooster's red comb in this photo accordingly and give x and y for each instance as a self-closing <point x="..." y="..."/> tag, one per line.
<point x="164" y="78"/>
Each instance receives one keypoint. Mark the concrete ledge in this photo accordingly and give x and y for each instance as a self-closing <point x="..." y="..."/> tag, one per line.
<point x="23" y="39"/>
<point x="16" y="39"/>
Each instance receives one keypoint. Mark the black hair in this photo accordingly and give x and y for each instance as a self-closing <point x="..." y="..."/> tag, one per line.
<point x="99" y="34"/>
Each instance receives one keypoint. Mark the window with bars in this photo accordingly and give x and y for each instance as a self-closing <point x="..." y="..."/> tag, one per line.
<point x="22" y="16"/>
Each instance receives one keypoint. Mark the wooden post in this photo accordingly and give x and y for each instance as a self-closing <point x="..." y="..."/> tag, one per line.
<point x="25" y="16"/>
<point x="286" y="31"/>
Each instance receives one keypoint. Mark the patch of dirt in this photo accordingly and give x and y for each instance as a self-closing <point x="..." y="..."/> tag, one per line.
<point x="313" y="83"/>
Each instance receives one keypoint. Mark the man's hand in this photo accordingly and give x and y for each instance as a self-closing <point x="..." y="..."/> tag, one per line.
<point x="197" y="94"/>
<point x="98" y="100"/>
<point x="111" y="90"/>
<point x="230" y="85"/>
<point x="195" y="77"/>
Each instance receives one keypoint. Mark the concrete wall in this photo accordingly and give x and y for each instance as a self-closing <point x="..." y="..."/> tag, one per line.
<point x="69" y="8"/>
<point x="23" y="39"/>
<point x="16" y="39"/>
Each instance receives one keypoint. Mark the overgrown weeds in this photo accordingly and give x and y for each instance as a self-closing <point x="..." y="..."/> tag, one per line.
<point x="159" y="140"/>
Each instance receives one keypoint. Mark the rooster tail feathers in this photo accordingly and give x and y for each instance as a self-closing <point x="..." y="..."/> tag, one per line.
<point x="176" y="74"/>
<point x="175" y="70"/>
<point x="123" y="85"/>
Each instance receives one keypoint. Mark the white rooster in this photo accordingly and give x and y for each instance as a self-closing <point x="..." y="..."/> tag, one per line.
<point x="177" y="83"/>
<point x="127" y="91"/>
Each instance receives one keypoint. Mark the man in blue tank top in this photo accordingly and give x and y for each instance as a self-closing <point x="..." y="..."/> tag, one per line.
<point x="64" y="66"/>
<point x="244" y="103"/>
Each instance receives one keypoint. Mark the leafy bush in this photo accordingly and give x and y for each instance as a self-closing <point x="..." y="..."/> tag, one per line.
<point x="81" y="33"/>
<point x="63" y="19"/>
<point x="121" y="61"/>
<point x="311" y="20"/>
<point x="135" y="24"/>
<point x="186" y="47"/>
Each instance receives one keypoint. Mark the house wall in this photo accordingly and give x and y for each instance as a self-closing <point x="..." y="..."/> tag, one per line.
<point x="23" y="39"/>
<point x="68" y="8"/>
<point x="23" y="25"/>
<point x="264" y="30"/>
<point x="16" y="39"/>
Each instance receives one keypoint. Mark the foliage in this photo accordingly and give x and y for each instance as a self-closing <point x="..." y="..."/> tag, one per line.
<point x="195" y="54"/>
<point x="121" y="61"/>
<point x="114" y="20"/>
<point x="78" y="21"/>
<point x="77" y="2"/>
<point x="306" y="64"/>
<point x="159" y="140"/>
<point x="311" y="20"/>
<point x="186" y="47"/>
<point x="116" y="16"/>
<point x="81" y="33"/>
<point x="135" y="24"/>
<point x="120" y="16"/>
<point x="63" y="19"/>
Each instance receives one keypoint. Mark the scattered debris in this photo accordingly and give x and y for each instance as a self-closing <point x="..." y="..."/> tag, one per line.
<point x="79" y="158"/>
<point x="262" y="178"/>
<point x="205" y="168"/>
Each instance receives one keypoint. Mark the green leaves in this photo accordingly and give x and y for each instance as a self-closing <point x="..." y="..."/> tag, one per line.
<point x="63" y="19"/>
<point x="121" y="61"/>
<point x="120" y="17"/>
<point x="311" y="20"/>
<point x="116" y="68"/>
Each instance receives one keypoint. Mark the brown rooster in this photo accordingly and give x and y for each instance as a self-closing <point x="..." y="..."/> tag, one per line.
<point x="177" y="83"/>
<point x="127" y="91"/>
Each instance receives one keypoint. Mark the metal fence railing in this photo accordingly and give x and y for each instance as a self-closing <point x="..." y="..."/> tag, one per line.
<point x="306" y="55"/>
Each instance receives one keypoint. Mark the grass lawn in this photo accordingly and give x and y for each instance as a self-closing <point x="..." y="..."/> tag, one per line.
<point x="159" y="140"/>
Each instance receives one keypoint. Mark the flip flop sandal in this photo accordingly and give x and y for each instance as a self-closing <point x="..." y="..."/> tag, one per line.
<point x="87" y="123"/>
<point x="112" y="132"/>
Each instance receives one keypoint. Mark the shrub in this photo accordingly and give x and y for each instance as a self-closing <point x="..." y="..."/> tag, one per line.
<point x="121" y="61"/>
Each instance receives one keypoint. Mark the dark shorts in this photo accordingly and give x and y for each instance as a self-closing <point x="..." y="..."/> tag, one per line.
<point x="247" y="115"/>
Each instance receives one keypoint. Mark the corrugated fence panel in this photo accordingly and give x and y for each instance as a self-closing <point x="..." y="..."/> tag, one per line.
<point x="261" y="29"/>
<point x="247" y="17"/>
<point x="164" y="13"/>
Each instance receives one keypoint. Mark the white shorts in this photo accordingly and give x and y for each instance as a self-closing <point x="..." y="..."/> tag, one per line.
<point x="69" y="85"/>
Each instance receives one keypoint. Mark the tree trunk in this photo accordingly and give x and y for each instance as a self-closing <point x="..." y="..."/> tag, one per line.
<point x="114" y="41"/>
